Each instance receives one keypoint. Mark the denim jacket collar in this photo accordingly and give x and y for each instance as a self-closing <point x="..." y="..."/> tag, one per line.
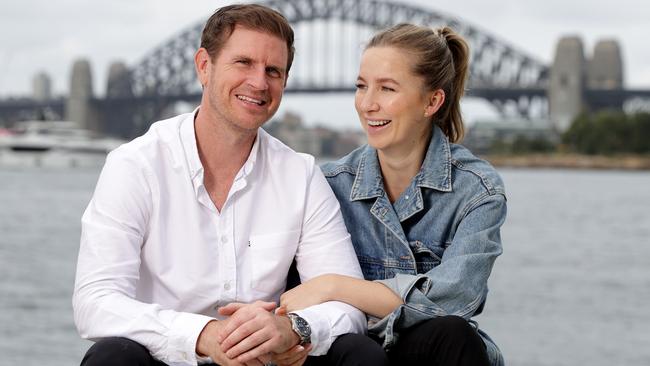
<point x="368" y="182"/>
<point x="435" y="172"/>
<point x="436" y="168"/>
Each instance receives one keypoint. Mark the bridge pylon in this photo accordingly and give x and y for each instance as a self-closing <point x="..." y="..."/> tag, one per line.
<point x="118" y="84"/>
<point x="584" y="84"/>
<point x="605" y="69"/>
<point x="41" y="87"/>
<point x="79" y="105"/>
<point x="566" y="97"/>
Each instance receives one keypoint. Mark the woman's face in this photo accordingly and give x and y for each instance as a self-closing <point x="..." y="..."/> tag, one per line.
<point x="393" y="106"/>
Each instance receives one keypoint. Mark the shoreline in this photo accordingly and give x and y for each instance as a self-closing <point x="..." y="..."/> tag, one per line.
<point x="571" y="161"/>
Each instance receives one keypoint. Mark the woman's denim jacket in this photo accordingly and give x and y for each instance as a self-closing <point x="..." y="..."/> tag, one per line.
<point x="436" y="244"/>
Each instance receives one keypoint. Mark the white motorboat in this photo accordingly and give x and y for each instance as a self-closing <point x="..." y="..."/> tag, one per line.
<point x="53" y="143"/>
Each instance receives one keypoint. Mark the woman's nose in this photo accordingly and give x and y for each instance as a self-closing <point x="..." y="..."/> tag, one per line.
<point x="369" y="102"/>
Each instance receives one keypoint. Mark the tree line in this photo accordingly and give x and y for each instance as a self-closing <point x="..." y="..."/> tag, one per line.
<point x="601" y="133"/>
<point x="608" y="132"/>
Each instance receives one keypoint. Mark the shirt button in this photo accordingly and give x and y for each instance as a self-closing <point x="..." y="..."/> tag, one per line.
<point x="407" y="196"/>
<point x="224" y="239"/>
<point x="226" y="286"/>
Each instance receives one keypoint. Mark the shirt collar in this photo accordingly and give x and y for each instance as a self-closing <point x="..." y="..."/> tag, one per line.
<point x="188" y="140"/>
<point x="435" y="172"/>
<point x="252" y="157"/>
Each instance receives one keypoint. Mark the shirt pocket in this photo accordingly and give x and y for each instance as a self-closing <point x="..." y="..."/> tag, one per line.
<point x="271" y="257"/>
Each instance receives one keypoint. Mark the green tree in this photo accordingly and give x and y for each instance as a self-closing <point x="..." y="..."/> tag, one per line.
<point x="640" y="140"/>
<point x="609" y="132"/>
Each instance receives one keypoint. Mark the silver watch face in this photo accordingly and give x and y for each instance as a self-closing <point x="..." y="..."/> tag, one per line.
<point x="301" y="327"/>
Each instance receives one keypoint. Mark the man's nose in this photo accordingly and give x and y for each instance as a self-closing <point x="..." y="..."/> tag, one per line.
<point x="258" y="79"/>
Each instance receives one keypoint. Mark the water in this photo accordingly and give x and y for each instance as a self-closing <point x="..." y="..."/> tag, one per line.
<point x="574" y="280"/>
<point x="40" y="214"/>
<point x="571" y="288"/>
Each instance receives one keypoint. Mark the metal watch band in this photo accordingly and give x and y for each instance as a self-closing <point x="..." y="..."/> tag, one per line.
<point x="301" y="327"/>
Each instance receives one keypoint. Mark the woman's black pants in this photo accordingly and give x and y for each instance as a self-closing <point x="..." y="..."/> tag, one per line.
<point x="443" y="341"/>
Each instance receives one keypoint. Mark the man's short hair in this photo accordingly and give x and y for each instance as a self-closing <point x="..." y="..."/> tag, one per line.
<point x="222" y="23"/>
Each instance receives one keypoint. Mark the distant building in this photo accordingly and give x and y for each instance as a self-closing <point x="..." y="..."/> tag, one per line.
<point x="482" y="136"/>
<point x="318" y="141"/>
<point x="290" y="130"/>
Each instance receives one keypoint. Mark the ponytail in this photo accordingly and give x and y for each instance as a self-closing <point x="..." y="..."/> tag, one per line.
<point x="452" y="119"/>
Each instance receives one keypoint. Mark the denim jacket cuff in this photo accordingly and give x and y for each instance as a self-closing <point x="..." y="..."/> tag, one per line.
<point x="402" y="284"/>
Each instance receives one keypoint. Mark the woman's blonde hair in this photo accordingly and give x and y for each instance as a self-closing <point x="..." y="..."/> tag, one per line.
<point x="441" y="59"/>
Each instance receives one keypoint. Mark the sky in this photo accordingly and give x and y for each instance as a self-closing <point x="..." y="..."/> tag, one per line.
<point x="47" y="36"/>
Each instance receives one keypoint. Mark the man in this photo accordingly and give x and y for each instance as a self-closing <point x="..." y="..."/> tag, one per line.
<point x="188" y="239"/>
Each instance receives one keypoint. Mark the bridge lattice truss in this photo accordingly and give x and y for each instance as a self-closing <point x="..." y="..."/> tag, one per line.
<point x="329" y="38"/>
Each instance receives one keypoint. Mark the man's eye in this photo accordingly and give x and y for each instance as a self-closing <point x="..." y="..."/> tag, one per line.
<point x="360" y="86"/>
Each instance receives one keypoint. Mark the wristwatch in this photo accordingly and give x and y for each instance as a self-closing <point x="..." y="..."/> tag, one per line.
<point x="301" y="327"/>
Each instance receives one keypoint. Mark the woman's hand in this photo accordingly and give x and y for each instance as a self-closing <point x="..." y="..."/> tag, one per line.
<point x="315" y="291"/>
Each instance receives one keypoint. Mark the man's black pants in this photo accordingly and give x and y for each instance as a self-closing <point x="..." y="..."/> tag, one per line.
<point x="443" y="341"/>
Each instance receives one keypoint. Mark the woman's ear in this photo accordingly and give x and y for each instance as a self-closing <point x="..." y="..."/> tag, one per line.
<point x="435" y="99"/>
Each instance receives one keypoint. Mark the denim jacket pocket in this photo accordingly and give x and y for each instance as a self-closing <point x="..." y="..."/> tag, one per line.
<point x="271" y="257"/>
<point x="372" y="268"/>
<point x="427" y="257"/>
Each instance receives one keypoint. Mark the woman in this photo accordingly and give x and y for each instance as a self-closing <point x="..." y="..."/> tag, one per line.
<point x="424" y="213"/>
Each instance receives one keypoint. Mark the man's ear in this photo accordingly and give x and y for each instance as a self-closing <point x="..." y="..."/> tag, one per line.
<point x="201" y="64"/>
<point x="286" y="79"/>
<point x="435" y="100"/>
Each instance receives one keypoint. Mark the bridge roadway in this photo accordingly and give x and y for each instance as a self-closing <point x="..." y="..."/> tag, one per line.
<point x="21" y="109"/>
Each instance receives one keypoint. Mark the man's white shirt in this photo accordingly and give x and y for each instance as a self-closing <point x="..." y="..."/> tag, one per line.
<point x="157" y="259"/>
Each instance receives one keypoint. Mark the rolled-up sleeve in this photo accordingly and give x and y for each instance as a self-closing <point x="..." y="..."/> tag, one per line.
<point x="325" y="247"/>
<point x="114" y="228"/>
<point x="458" y="285"/>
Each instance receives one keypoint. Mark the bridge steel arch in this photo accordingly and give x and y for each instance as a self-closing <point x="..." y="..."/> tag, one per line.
<point x="169" y="69"/>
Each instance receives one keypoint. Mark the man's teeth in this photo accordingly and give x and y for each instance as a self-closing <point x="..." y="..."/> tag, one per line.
<point x="378" y="123"/>
<point x="251" y="100"/>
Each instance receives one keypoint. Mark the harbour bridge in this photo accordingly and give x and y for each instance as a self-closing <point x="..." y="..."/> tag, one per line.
<point x="330" y="35"/>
